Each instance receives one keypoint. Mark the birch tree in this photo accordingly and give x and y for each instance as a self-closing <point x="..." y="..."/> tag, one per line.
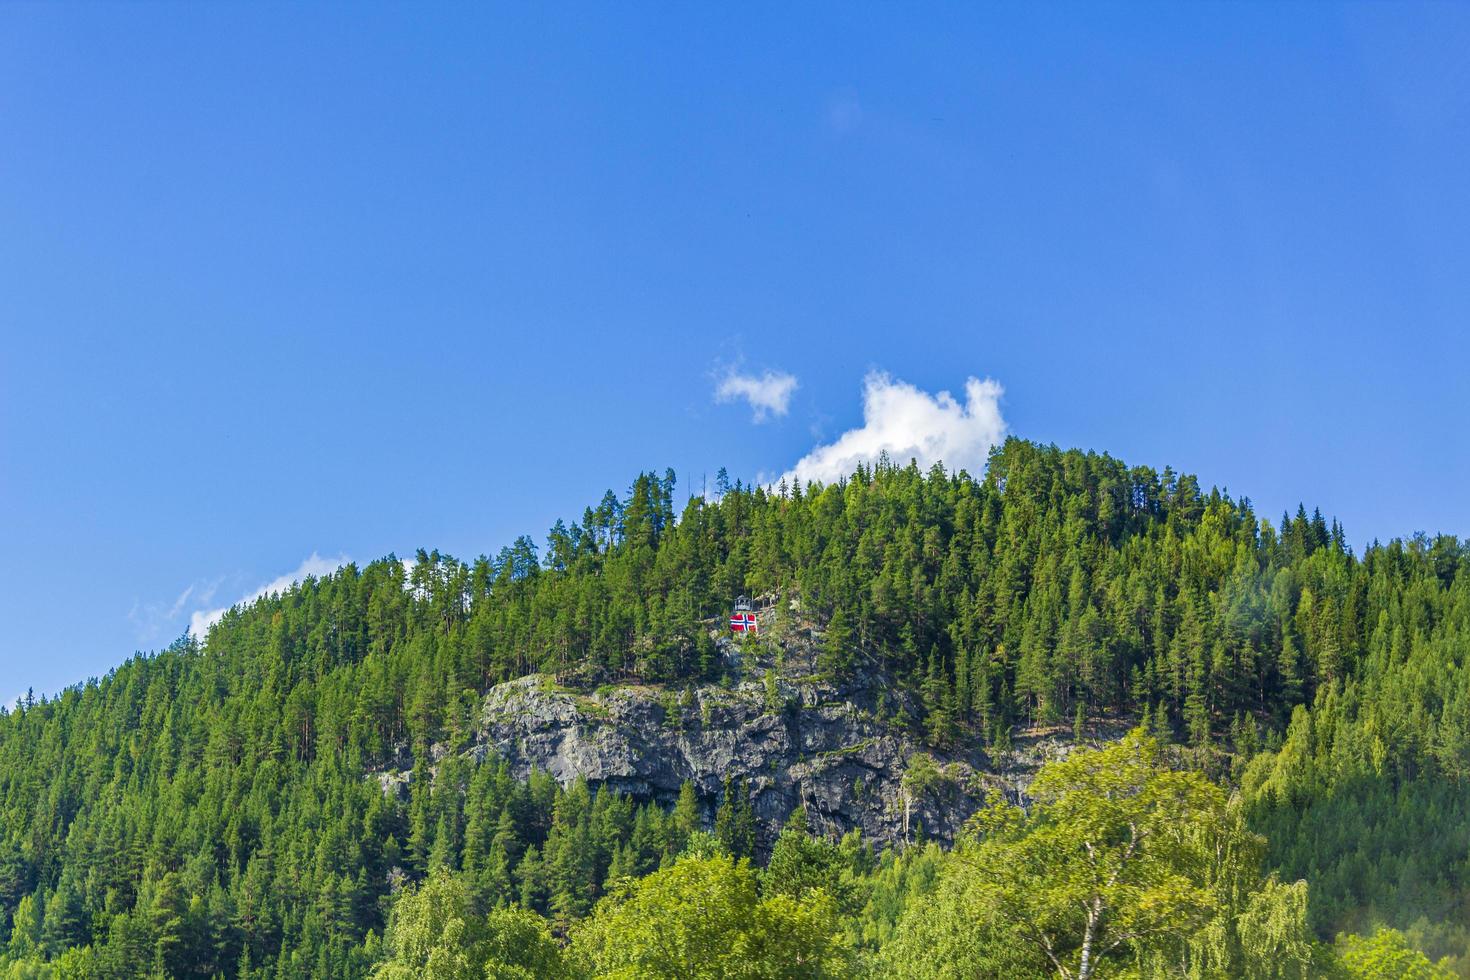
<point x="1105" y="862"/>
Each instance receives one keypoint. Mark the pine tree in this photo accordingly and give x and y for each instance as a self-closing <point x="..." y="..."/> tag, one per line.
<point x="688" y="817"/>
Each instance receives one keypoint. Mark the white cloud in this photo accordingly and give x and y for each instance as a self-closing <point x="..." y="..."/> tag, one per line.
<point x="769" y="394"/>
<point x="908" y="423"/>
<point x="316" y="565"/>
<point x="178" y="605"/>
<point x="155" y="620"/>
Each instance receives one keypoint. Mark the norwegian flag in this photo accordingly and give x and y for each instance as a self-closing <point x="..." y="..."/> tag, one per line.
<point x="742" y="622"/>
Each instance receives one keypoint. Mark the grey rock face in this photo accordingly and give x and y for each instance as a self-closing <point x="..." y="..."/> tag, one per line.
<point x="812" y="744"/>
<point x="794" y="738"/>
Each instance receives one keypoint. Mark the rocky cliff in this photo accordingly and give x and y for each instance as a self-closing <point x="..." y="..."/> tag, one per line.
<point x="849" y="753"/>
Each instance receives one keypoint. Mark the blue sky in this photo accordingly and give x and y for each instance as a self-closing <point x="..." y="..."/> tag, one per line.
<point x="283" y="283"/>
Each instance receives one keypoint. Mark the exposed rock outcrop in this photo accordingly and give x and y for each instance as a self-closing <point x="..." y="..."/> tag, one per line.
<point x="821" y="749"/>
<point x="848" y="752"/>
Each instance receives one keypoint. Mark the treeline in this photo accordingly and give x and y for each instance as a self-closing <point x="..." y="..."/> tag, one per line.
<point x="204" y="810"/>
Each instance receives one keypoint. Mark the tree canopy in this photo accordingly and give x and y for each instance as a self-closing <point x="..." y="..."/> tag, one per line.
<point x="217" y="807"/>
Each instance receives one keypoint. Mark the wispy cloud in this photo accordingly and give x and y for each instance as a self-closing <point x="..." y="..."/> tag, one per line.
<point x="156" y="621"/>
<point x="315" y="565"/>
<point x="908" y="423"/>
<point x="178" y="605"/>
<point x="769" y="394"/>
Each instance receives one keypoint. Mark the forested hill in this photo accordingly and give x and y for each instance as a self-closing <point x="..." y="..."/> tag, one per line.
<point x="205" y="810"/>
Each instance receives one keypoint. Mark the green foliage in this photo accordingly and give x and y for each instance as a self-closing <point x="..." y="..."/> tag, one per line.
<point x="1106" y="864"/>
<point x="1386" y="956"/>
<point x="946" y="925"/>
<point x="1120" y="860"/>
<point x="435" y="934"/>
<point x="216" y="807"/>
<point x="704" y="918"/>
<point x="802" y="864"/>
<point x="735" y="820"/>
<point x="900" y="879"/>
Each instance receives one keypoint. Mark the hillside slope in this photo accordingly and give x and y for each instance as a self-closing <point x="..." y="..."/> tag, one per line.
<point x="221" y="806"/>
